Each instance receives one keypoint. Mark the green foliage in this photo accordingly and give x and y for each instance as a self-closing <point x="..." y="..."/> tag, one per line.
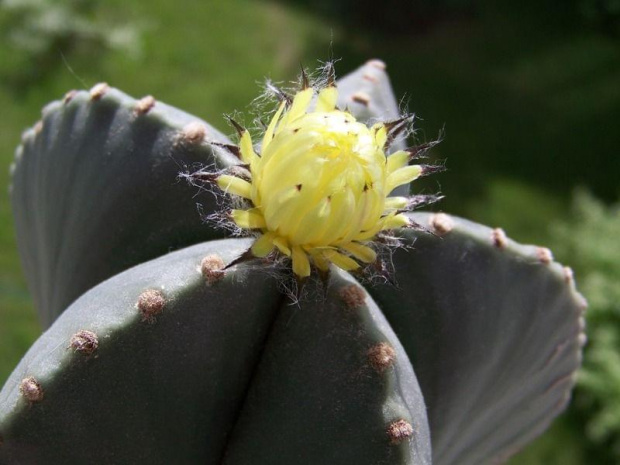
<point x="37" y="25"/>
<point x="36" y="31"/>
<point x="590" y="240"/>
<point x="602" y="14"/>
<point x="413" y="15"/>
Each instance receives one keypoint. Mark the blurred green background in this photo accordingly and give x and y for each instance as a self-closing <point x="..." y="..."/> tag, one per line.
<point x="528" y="93"/>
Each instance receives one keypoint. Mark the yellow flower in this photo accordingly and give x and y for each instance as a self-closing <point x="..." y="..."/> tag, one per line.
<point x="318" y="191"/>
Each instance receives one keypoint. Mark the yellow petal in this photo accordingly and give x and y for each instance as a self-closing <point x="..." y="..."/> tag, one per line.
<point x="360" y="251"/>
<point x="395" y="203"/>
<point x="248" y="155"/>
<point x="280" y="204"/>
<point x="326" y="101"/>
<point x="300" y="104"/>
<point x="369" y="233"/>
<point x="395" y="221"/>
<point x="341" y="204"/>
<point x="402" y="176"/>
<point x="301" y="264"/>
<point x="272" y="126"/>
<point x="263" y="245"/>
<point x="248" y="219"/>
<point x="380" y="134"/>
<point x="282" y="245"/>
<point x="320" y="262"/>
<point x="340" y="260"/>
<point x="234" y="185"/>
<point x="397" y="160"/>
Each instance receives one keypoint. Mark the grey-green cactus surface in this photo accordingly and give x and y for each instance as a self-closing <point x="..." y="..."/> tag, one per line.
<point x="189" y="372"/>
<point x="466" y="357"/>
<point x="96" y="190"/>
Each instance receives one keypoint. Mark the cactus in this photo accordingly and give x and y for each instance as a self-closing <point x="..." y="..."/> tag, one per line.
<point x="193" y="357"/>
<point x="118" y="157"/>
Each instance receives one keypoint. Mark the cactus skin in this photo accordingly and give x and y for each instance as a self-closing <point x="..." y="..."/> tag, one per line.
<point x="212" y="375"/>
<point x="488" y="324"/>
<point x="493" y="352"/>
<point x="492" y="329"/>
<point x="305" y="403"/>
<point x="96" y="191"/>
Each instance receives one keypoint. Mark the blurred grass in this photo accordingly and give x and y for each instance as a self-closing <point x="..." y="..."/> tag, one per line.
<point x="530" y="101"/>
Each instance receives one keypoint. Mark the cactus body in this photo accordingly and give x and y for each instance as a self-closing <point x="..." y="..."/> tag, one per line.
<point x="209" y="375"/>
<point x="478" y="315"/>
<point x="96" y="190"/>
<point x="177" y="361"/>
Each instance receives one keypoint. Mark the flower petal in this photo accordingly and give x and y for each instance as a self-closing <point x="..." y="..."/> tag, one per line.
<point x="397" y="160"/>
<point x="403" y="176"/>
<point x="395" y="203"/>
<point x="248" y="155"/>
<point x="301" y="264"/>
<point x="272" y="126"/>
<point x="263" y="245"/>
<point x="300" y="104"/>
<point x="360" y="251"/>
<point x="340" y="260"/>
<point x="234" y="185"/>
<point x="248" y="219"/>
<point x="326" y="101"/>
